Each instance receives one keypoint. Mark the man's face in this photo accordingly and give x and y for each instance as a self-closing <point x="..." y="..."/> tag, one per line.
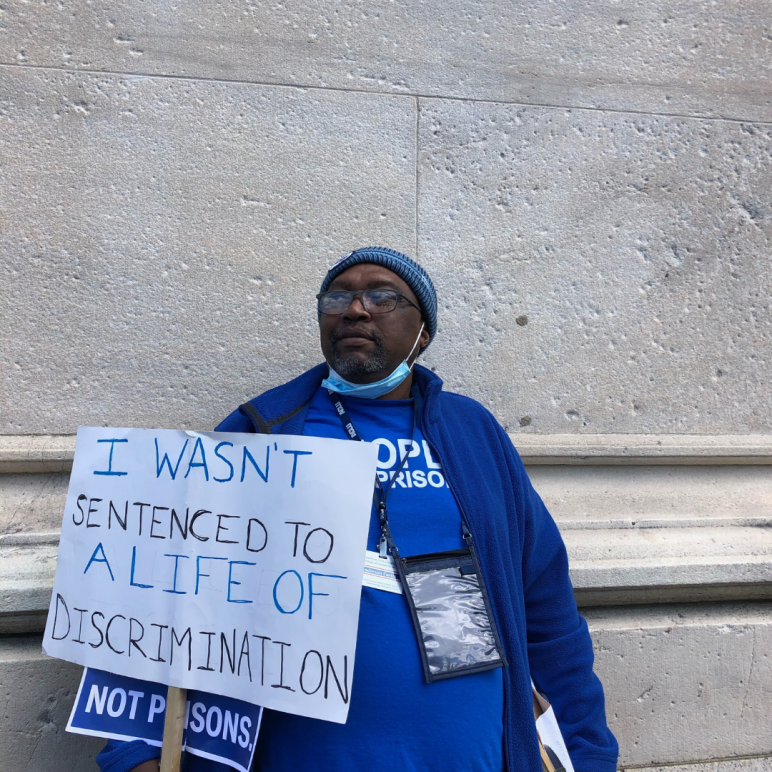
<point x="365" y="347"/>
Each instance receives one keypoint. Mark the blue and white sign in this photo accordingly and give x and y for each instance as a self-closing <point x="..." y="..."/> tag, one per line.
<point x="226" y="563"/>
<point x="121" y="708"/>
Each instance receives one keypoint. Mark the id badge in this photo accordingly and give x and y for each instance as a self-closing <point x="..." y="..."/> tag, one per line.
<point x="448" y="602"/>
<point x="381" y="573"/>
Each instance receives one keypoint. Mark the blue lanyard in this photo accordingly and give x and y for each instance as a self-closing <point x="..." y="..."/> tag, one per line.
<point x="379" y="493"/>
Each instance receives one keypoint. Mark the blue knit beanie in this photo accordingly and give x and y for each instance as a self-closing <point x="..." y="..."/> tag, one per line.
<point x="408" y="270"/>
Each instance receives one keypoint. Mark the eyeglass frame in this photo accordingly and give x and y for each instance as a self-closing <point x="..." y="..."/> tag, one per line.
<point x="354" y="293"/>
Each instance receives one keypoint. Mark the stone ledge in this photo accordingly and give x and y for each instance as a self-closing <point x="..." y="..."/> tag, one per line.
<point x="26" y="453"/>
<point x="739" y="764"/>
<point x="672" y="564"/>
<point x="26" y="582"/>
<point x="688" y="565"/>
<point x="29" y="454"/>
<point x="612" y="449"/>
<point x="597" y="597"/>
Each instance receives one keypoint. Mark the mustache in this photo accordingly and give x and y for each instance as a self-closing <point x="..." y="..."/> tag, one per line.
<point x="349" y="332"/>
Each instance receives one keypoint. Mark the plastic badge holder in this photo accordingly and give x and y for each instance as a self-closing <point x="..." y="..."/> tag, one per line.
<point x="450" y="610"/>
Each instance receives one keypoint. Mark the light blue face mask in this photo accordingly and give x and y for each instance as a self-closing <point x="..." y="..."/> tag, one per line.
<point x="339" y="384"/>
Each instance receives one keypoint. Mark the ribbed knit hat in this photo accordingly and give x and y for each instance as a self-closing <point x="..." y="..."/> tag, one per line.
<point x="408" y="270"/>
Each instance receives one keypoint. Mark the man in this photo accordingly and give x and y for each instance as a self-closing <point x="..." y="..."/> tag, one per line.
<point x="454" y="465"/>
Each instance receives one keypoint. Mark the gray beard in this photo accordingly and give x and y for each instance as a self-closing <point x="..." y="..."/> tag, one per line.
<point x="353" y="365"/>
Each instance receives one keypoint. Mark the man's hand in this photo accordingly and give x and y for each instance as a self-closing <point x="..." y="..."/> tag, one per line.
<point x="147" y="766"/>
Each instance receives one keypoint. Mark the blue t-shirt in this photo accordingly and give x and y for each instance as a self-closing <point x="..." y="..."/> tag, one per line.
<point x="396" y="720"/>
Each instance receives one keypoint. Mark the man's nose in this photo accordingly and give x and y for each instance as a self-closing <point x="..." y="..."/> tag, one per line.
<point x="356" y="310"/>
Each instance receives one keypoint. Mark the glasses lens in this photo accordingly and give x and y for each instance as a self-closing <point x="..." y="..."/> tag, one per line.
<point x="335" y="302"/>
<point x="374" y="301"/>
<point x="379" y="301"/>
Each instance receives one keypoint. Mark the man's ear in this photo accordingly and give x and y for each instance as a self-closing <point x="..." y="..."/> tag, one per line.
<point x="423" y="340"/>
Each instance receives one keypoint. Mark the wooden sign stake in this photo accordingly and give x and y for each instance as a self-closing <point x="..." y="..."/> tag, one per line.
<point x="174" y="725"/>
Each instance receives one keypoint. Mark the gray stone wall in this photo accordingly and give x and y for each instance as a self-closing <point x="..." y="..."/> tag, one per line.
<point x="589" y="185"/>
<point x="177" y="179"/>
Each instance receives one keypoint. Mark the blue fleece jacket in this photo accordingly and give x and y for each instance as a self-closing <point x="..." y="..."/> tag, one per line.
<point x="522" y="557"/>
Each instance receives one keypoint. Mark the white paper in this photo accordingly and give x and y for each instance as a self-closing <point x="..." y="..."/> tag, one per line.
<point x="549" y="731"/>
<point x="268" y="556"/>
<point x="380" y="573"/>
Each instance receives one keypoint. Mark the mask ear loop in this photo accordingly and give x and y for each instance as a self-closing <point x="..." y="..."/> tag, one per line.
<point x="423" y="324"/>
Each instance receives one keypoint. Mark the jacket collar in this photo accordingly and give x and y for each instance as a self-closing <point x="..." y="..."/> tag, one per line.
<point x="290" y="398"/>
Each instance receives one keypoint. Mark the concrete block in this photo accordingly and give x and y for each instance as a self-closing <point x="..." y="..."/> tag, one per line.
<point x="674" y="57"/>
<point x="686" y="682"/>
<point x="32" y="503"/>
<point x="632" y="249"/>
<point x="36" y="697"/>
<point x="163" y="241"/>
<point x="682" y="683"/>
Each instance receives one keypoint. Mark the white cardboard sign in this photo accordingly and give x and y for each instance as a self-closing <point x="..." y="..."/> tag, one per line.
<point x="227" y="563"/>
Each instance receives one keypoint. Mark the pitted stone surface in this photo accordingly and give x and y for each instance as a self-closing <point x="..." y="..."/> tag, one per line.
<point x="759" y="764"/>
<point x="676" y="57"/>
<point x="36" y="696"/>
<point x="163" y="241"/>
<point x="637" y="246"/>
<point x="686" y="682"/>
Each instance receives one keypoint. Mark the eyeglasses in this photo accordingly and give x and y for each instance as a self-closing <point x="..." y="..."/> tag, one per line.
<point x="374" y="301"/>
